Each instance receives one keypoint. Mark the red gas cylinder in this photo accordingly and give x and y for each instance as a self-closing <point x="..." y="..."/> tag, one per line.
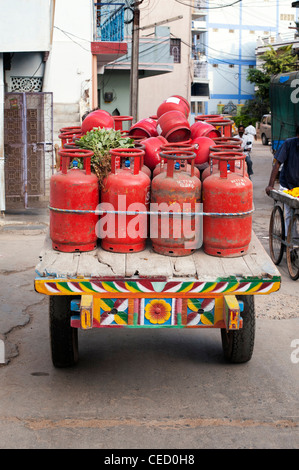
<point x="67" y="137"/>
<point x="98" y="118"/>
<point x="174" y="103"/>
<point x="226" y="147"/>
<point x="202" y="149"/>
<point x="179" y="146"/>
<point x="144" y="128"/>
<point x="174" y="126"/>
<point x="152" y="151"/>
<point x="235" y="166"/>
<point x="175" y="191"/>
<point x="71" y="129"/>
<point x="227" y="192"/>
<point x="204" y="117"/>
<point x="184" y="100"/>
<point x="125" y="189"/>
<point x="203" y="129"/>
<point x="118" y="121"/>
<point x="73" y="189"/>
<point x="223" y="124"/>
<point x="144" y="168"/>
<point x="228" y="141"/>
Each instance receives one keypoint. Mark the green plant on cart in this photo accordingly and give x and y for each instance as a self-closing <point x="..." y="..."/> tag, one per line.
<point x="100" y="141"/>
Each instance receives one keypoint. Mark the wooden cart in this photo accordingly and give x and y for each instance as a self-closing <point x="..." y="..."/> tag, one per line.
<point x="279" y="240"/>
<point x="147" y="290"/>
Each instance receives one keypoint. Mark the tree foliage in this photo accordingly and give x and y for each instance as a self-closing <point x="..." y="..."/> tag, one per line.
<point x="274" y="61"/>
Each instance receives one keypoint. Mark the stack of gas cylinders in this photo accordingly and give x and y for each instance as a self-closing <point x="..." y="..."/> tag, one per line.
<point x="179" y="186"/>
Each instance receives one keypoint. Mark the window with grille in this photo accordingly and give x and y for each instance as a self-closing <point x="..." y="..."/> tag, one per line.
<point x="24" y="84"/>
<point x="175" y="50"/>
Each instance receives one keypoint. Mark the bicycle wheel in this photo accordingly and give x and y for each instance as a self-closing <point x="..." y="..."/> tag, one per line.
<point x="276" y="235"/>
<point x="293" y="248"/>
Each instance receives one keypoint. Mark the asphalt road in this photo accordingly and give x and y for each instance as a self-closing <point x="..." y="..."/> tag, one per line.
<point x="144" y="389"/>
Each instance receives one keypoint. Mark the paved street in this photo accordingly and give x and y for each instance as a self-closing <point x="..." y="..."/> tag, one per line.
<point x="135" y="389"/>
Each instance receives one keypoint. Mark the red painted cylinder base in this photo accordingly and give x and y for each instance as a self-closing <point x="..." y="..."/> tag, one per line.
<point x="118" y="248"/>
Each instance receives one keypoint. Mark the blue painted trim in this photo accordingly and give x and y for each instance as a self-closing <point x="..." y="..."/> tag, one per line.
<point x="232" y="61"/>
<point x="218" y="96"/>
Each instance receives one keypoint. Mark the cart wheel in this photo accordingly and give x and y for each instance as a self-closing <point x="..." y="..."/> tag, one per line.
<point x="293" y="248"/>
<point x="276" y="235"/>
<point x="64" y="338"/>
<point x="238" y="344"/>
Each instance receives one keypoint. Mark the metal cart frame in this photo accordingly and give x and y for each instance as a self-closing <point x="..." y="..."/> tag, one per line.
<point x="279" y="240"/>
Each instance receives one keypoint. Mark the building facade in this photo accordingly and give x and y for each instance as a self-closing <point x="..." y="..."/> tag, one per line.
<point x="227" y="47"/>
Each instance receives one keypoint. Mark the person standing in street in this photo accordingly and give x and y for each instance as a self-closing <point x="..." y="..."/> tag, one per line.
<point x="288" y="155"/>
<point x="247" y="141"/>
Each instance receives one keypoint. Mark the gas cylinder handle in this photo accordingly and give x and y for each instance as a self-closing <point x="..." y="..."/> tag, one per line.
<point x="176" y="146"/>
<point x="66" y="155"/>
<point x="174" y="155"/>
<point x="125" y="153"/>
<point x="225" y="157"/>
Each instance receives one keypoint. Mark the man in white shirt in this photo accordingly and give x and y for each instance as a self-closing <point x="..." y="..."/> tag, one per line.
<point x="247" y="141"/>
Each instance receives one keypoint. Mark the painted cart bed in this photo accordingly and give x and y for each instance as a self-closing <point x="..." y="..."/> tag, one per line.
<point x="127" y="285"/>
<point x="99" y="289"/>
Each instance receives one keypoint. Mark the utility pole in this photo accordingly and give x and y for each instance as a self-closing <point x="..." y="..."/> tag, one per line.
<point x="135" y="63"/>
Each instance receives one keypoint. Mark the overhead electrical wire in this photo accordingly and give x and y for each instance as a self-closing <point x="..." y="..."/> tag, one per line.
<point x="191" y="5"/>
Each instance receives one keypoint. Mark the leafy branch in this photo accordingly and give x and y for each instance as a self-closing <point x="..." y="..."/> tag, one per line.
<point x="100" y="141"/>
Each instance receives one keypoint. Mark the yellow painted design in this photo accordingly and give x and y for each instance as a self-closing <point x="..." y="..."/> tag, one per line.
<point x="191" y="305"/>
<point x="209" y="289"/>
<point x="130" y="288"/>
<point x="188" y="288"/>
<point x="119" y="320"/>
<point x="86" y="318"/>
<point x="233" y="322"/>
<point x="109" y="288"/>
<point x="157" y="311"/>
<point x="104" y="306"/>
<point x="231" y="302"/>
<point x="218" y="310"/>
<point x="41" y="287"/>
<point x="205" y="320"/>
<point x="97" y="309"/>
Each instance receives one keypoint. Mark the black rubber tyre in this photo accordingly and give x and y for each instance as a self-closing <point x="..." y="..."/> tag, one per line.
<point x="238" y="344"/>
<point x="276" y="235"/>
<point x="63" y="338"/>
<point x="265" y="141"/>
<point x="293" y="248"/>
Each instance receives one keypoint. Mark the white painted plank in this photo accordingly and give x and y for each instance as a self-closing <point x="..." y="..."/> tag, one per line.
<point x="147" y="263"/>
<point x="258" y="260"/>
<point x="183" y="266"/>
<point x="113" y="264"/>
<point x="58" y="264"/>
<point x="208" y="267"/>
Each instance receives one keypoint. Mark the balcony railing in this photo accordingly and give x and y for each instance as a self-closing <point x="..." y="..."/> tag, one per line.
<point x="109" y="22"/>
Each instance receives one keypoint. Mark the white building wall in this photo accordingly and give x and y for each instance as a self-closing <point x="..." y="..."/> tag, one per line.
<point x="69" y="67"/>
<point x="25" y="25"/>
<point x="154" y="90"/>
